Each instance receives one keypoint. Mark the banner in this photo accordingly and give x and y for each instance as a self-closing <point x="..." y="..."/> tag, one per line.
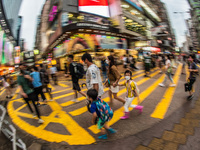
<point x="97" y="7"/>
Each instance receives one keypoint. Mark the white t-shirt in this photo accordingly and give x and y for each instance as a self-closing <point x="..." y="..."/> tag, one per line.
<point x="93" y="76"/>
<point x="125" y="59"/>
<point x="5" y="84"/>
<point x="167" y="62"/>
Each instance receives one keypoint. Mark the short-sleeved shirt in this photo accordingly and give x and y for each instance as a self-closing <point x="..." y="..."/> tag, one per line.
<point x="53" y="70"/>
<point x="24" y="83"/>
<point x="93" y="76"/>
<point x="36" y="79"/>
<point x="193" y="74"/>
<point x="72" y="72"/>
<point x="93" y="108"/>
<point x="130" y="87"/>
<point x="124" y="59"/>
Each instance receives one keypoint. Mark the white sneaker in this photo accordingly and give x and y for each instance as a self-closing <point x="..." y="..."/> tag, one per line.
<point x="173" y="85"/>
<point x="74" y="100"/>
<point x="34" y="116"/>
<point x="40" y="121"/>
<point x="161" y="84"/>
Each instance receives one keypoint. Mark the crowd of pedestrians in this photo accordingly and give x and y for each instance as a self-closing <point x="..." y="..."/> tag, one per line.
<point x="33" y="81"/>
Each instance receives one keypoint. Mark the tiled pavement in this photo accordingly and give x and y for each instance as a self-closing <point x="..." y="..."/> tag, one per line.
<point x="177" y="138"/>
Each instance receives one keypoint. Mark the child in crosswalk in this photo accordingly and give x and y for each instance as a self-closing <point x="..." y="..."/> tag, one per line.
<point x="132" y="91"/>
<point x="101" y="113"/>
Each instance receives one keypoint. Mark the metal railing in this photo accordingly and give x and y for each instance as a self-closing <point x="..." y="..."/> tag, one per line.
<point x="9" y="131"/>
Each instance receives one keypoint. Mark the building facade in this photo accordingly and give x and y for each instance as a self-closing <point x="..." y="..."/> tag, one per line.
<point x="9" y="22"/>
<point x="195" y="21"/>
<point x="76" y="26"/>
<point x="11" y="9"/>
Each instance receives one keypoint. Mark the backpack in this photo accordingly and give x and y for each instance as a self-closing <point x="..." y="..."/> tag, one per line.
<point x="104" y="66"/>
<point x="106" y="113"/>
<point x="127" y="60"/>
<point x="44" y="77"/>
<point x="78" y="70"/>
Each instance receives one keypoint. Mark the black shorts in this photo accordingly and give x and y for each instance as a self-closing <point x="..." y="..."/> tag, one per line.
<point x="76" y="86"/>
<point x="191" y="84"/>
<point x="147" y="67"/>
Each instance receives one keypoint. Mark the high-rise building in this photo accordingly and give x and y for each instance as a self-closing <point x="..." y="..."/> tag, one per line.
<point x="161" y="9"/>
<point x="9" y="30"/>
<point x="11" y="10"/>
<point x="195" y="15"/>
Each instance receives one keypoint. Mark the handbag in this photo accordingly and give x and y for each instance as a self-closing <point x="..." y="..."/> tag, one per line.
<point x="186" y="87"/>
<point x="107" y="83"/>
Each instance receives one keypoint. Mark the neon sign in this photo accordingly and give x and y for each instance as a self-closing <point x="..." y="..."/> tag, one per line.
<point x="52" y="13"/>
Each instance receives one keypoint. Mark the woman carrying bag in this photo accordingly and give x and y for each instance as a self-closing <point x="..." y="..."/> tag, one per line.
<point x="113" y="79"/>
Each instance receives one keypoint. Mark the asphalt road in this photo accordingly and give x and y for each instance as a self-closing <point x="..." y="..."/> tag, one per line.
<point x="68" y="124"/>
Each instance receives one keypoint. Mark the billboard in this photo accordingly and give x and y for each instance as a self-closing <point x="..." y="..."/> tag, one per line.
<point x="90" y="41"/>
<point x="97" y="7"/>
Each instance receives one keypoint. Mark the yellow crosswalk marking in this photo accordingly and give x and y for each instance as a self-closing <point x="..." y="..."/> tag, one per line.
<point x="16" y="93"/>
<point x="72" y="126"/>
<point x="84" y="109"/>
<point x="50" y="86"/>
<point x="21" y="107"/>
<point x="163" y="105"/>
<point x="2" y="91"/>
<point x="56" y="92"/>
<point x="63" y="85"/>
<point x="2" y="88"/>
<point x="120" y="112"/>
<point x="105" y="90"/>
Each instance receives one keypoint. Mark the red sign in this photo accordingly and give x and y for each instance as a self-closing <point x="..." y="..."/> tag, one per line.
<point x="155" y="49"/>
<point x="93" y="3"/>
<point x="97" y="7"/>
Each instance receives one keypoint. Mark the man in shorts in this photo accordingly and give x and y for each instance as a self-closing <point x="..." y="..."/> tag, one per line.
<point x="147" y="62"/>
<point x="75" y="79"/>
<point x="193" y="69"/>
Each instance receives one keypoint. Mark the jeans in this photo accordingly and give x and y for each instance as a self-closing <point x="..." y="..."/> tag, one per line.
<point x="32" y="97"/>
<point x="169" y="75"/>
<point x="38" y="91"/>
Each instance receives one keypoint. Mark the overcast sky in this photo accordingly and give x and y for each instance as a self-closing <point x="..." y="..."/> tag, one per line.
<point x="30" y="9"/>
<point x="177" y="21"/>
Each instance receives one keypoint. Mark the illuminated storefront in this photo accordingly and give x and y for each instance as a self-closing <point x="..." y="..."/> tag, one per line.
<point x="134" y="26"/>
<point x="81" y="42"/>
<point x="6" y="50"/>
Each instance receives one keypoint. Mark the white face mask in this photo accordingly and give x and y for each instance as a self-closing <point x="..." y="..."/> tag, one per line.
<point x="127" y="78"/>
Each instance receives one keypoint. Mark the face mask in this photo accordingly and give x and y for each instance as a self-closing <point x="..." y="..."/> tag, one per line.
<point x="190" y="59"/>
<point x="127" y="77"/>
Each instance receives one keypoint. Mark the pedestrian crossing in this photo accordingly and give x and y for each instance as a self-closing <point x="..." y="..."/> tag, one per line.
<point x="163" y="105"/>
<point x="78" y="133"/>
